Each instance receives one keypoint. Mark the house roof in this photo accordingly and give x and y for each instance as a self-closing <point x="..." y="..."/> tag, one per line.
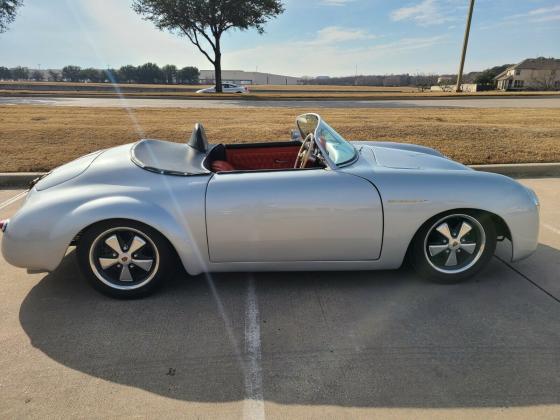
<point x="540" y="63"/>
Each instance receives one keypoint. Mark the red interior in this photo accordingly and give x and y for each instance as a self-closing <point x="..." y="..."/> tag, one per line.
<point x="252" y="159"/>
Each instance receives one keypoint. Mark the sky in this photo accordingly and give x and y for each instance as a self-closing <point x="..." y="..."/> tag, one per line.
<point x="312" y="37"/>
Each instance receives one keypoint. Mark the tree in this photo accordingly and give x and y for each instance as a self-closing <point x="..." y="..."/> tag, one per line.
<point x="149" y="73"/>
<point x="112" y="75"/>
<point x="188" y="76"/>
<point x="20" y="73"/>
<point x="128" y="74"/>
<point x="37" y="75"/>
<point x="54" y="76"/>
<point x="91" y="75"/>
<point x="169" y="73"/>
<point x="8" y="11"/>
<point x="204" y="22"/>
<point x="5" y="73"/>
<point x="486" y="77"/>
<point x="71" y="73"/>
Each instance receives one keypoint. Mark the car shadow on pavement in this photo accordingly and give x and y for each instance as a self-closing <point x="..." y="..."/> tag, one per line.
<point x="364" y="339"/>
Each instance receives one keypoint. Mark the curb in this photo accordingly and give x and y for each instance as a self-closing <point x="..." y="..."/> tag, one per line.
<point x="523" y="170"/>
<point x="519" y="170"/>
<point x="18" y="180"/>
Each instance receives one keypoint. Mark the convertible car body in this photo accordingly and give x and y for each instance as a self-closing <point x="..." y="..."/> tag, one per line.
<point x="316" y="202"/>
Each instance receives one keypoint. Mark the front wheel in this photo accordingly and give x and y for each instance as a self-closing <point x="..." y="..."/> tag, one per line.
<point x="124" y="259"/>
<point x="454" y="247"/>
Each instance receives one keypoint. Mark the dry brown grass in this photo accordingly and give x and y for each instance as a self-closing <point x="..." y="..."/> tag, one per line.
<point x="35" y="138"/>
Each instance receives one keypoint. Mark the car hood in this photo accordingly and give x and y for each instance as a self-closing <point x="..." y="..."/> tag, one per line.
<point x="407" y="159"/>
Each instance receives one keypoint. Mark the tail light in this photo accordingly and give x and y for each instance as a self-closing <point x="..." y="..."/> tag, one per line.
<point x="3" y="225"/>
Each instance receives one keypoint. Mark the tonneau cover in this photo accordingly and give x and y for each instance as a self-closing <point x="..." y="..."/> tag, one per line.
<point x="168" y="158"/>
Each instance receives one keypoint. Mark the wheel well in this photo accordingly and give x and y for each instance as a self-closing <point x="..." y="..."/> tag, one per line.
<point x="76" y="240"/>
<point x="502" y="229"/>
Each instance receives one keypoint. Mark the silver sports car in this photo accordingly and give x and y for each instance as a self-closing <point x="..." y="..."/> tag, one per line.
<point x="317" y="202"/>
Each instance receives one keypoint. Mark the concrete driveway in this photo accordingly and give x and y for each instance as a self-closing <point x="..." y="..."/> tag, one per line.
<point x="308" y="345"/>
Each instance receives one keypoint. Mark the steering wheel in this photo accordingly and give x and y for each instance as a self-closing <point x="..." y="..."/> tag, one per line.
<point x="305" y="152"/>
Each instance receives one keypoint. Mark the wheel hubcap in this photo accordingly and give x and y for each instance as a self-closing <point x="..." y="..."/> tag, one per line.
<point x="124" y="258"/>
<point x="454" y="244"/>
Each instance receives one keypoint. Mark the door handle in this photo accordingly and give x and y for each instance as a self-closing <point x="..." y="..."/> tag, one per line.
<point x="281" y="161"/>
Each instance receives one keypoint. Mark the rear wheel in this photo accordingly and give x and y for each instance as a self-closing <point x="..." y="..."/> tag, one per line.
<point x="124" y="259"/>
<point x="453" y="247"/>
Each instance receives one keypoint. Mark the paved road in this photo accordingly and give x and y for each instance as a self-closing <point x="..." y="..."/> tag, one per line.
<point x="306" y="345"/>
<point x="539" y="102"/>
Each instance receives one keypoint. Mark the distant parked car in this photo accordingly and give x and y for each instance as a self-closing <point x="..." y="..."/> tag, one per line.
<point x="226" y="88"/>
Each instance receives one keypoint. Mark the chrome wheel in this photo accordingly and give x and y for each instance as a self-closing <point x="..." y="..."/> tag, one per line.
<point x="454" y="244"/>
<point x="124" y="258"/>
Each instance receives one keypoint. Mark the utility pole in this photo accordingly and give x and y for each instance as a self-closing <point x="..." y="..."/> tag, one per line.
<point x="465" y="46"/>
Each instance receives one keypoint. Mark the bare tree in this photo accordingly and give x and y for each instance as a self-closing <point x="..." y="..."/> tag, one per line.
<point x="54" y="76"/>
<point x="204" y="22"/>
<point x="37" y="75"/>
<point x="546" y="80"/>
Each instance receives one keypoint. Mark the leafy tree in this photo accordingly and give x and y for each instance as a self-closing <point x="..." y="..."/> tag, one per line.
<point x="71" y="73"/>
<point x="128" y="74"/>
<point x="487" y="76"/>
<point x="54" y="76"/>
<point x="8" y="11"/>
<point x="149" y="73"/>
<point x="169" y="73"/>
<point x="188" y="76"/>
<point x="37" y="75"/>
<point x="91" y="75"/>
<point x="20" y="73"/>
<point x="5" y="73"/>
<point x="112" y="75"/>
<point x="204" y="22"/>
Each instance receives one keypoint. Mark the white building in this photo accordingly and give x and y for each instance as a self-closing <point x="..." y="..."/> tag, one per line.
<point x="240" y="77"/>
<point x="531" y="74"/>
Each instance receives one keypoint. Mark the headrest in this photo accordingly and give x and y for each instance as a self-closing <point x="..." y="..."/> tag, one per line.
<point x="198" y="140"/>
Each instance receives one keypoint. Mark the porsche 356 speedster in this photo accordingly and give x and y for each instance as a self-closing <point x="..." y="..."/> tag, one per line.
<point x="315" y="202"/>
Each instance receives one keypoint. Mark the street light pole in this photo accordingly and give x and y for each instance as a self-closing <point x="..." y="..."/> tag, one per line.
<point x="465" y="46"/>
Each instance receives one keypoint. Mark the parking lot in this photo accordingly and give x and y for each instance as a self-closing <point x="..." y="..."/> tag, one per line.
<point x="280" y="345"/>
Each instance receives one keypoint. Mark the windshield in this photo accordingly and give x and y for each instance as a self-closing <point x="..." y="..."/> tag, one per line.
<point x="337" y="149"/>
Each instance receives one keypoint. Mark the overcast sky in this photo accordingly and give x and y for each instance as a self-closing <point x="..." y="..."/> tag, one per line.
<point x="313" y="37"/>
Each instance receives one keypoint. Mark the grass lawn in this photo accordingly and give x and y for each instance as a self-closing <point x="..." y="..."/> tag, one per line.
<point x="36" y="138"/>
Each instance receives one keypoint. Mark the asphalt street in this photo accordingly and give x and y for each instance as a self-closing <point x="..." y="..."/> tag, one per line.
<point x="287" y="345"/>
<point x="535" y="102"/>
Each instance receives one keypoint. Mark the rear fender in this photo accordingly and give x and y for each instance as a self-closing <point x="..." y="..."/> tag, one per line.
<point x="175" y="229"/>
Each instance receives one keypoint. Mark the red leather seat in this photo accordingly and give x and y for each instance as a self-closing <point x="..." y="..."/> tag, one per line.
<point x="222" y="166"/>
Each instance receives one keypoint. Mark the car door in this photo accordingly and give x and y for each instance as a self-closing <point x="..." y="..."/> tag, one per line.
<point x="294" y="215"/>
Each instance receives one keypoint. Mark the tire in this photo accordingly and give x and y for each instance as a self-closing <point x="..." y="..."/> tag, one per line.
<point x="124" y="259"/>
<point x="453" y="247"/>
